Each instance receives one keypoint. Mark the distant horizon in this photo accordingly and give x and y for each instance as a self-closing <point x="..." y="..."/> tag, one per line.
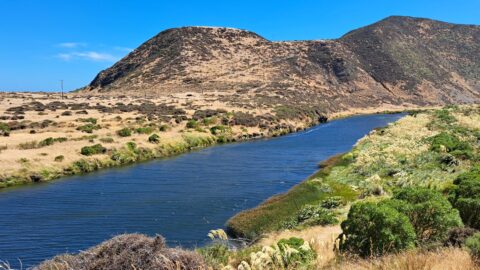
<point x="50" y="41"/>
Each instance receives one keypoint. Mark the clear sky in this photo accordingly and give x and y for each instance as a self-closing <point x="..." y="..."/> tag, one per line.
<point x="44" y="41"/>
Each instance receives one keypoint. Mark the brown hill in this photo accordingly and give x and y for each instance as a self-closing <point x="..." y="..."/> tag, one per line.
<point x="399" y="60"/>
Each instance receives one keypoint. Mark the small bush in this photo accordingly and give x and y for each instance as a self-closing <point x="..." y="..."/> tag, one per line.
<point x="154" y="138"/>
<point x="332" y="202"/>
<point x="192" y="124"/>
<point x="88" y="128"/>
<point x="164" y="128"/>
<point x="217" y="130"/>
<point x="46" y="142"/>
<point x="88" y="120"/>
<point x="473" y="244"/>
<point x="302" y="256"/>
<point x="59" y="158"/>
<point x="28" y="145"/>
<point x="144" y="130"/>
<point x="124" y="132"/>
<point x="93" y="150"/>
<point x="315" y="215"/>
<point x="458" y="236"/>
<point x="374" y="229"/>
<point x="107" y="140"/>
<point x="4" y="130"/>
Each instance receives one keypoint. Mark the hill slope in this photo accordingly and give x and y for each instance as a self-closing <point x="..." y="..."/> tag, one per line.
<point x="399" y="60"/>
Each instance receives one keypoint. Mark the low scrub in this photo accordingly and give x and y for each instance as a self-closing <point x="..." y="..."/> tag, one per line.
<point x="129" y="251"/>
<point x="93" y="150"/>
<point x="88" y="128"/>
<point x="124" y="132"/>
<point x="465" y="196"/>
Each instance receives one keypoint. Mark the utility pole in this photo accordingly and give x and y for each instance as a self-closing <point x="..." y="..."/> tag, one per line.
<point x="61" y="85"/>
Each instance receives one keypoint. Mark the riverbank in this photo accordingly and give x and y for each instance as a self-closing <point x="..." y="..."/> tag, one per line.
<point x="428" y="149"/>
<point x="46" y="137"/>
<point x="377" y="164"/>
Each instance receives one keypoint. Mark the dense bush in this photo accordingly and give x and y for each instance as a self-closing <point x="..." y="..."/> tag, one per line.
<point x="332" y="202"/>
<point x="445" y="116"/>
<point x="192" y="124"/>
<point x="217" y="130"/>
<point x="59" y="158"/>
<point x="465" y="196"/>
<point x="164" y="128"/>
<point x="374" y="229"/>
<point x="124" y="132"/>
<point x="88" y="120"/>
<point x="303" y="256"/>
<point x="473" y="244"/>
<point x="458" y="236"/>
<point x="93" y="150"/>
<point x="88" y="128"/>
<point x="154" y="138"/>
<point x="451" y="144"/>
<point x="430" y="213"/>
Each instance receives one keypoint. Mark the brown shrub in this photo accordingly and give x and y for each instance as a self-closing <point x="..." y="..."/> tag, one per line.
<point x="128" y="251"/>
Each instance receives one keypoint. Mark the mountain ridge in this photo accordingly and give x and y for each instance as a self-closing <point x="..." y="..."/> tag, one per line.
<point x="398" y="60"/>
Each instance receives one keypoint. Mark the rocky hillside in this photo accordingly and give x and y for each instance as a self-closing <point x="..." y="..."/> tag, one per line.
<point x="399" y="60"/>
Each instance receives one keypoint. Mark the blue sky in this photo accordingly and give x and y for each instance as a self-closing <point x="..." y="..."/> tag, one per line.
<point x="44" y="41"/>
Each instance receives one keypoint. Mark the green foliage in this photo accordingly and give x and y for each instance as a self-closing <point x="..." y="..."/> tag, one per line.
<point x="88" y="128"/>
<point x="46" y="142"/>
<point x="445" y="116"/>
<point x="59" y="158"/>
<point x="374" y="229"/>
<point x="293" y="260"/>
<point x="93" y="150"/>
<point x="192" y="123"/>
<point x="315" y="215"/>
<point x="430" y="213"/>
<point x="451" y="144"/>
<point x="154" y="138"/>
<point x="332" y="202"/>
<point x="131" y="146"/>
<point x="144" y="130"/>
<point x="164" y="128"/>
<point x="90" y="120"/>
<point x="124" y="132"/>
<point x="4" y="129"/>
<point x="215" y="255"/>
<point x="473" y="245"/>
<point x="465" y="196"/>
<point x="218" y="130"/>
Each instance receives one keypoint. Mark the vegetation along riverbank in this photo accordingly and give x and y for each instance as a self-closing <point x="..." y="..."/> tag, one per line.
<point x="405" y="197"/>
<point x="44" y="137"/>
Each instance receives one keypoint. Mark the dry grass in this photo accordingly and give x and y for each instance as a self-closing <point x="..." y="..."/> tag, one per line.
<point x="442" y="259"/>
<point x="128" y="251"/>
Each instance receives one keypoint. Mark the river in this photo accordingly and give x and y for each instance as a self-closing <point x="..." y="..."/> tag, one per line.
<point x="181" y="198"/>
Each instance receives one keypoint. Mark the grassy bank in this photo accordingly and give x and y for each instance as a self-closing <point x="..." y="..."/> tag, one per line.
<point x="409" y="152"/>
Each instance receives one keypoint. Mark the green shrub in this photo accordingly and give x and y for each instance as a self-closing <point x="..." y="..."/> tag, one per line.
<point x="4" y="129"/>
<point x="164" y="128"/>
<point x="332" y="202"/>
<point x="217" y="130"/>
<point x="124" y="132"/>
<point x="59" y="158"/>
<point x="374" y="229"/>
<point x="451" y="144"/>
<point x="215" y="255"/>
<point x="131" y="146"/>
<point x="88" y="128"/>
<point x="430" y="213"/>
<point x="315" y="215"/>
<point x="88" y="120"/>
<point x="192" y="124"/>
<point x="465" y="196"/>
<point x="47" y="141"/>
<point x="28" y="145"/>
<point x="445" y="116"/>
<point x="154" y="138"/>
<point x="144" y="130"/>
<point x="473" y="244"/>
<point x="93" y="150"/>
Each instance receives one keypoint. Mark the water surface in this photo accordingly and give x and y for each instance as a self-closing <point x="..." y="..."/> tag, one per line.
<point x="181" y="198"/>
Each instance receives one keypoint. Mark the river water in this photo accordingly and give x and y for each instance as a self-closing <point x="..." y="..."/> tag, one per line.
<point x="181" y="198"/>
